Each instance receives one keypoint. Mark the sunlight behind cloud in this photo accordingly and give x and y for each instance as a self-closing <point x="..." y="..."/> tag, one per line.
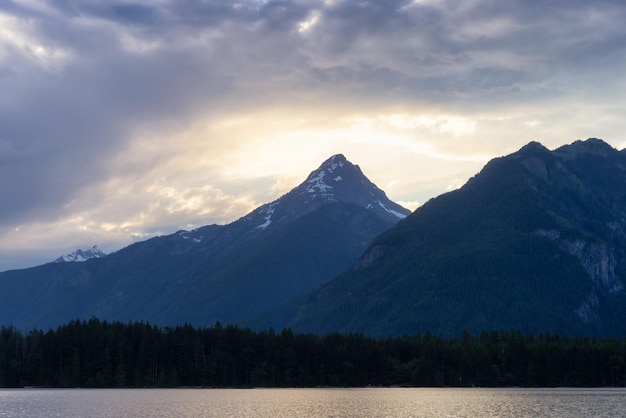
<point x="419" y="134"/>
<point x="443" y="124"/>
<point x="409" y="205"/>
<point x="261" y="154"/>
<point x="307" y="25"/>
<point x="439" y="124"/>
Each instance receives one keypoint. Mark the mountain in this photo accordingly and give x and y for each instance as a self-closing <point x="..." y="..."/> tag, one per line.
<point x="535" y="242"/>
<point x="80" y="256"/>
<point x="216" y="272"/>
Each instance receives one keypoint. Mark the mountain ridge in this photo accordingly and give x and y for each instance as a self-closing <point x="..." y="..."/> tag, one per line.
<point x="536" y="241"/>
<point x="215" y="272"/>
<point x="312" y="193"/>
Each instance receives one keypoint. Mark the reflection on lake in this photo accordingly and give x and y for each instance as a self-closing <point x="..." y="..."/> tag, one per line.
<point x="313" y="403"/>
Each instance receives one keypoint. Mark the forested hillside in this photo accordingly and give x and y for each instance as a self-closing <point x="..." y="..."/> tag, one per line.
<point x="535" y="242"/>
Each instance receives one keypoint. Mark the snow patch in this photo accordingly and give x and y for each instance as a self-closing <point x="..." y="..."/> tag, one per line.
<point x="338" y="178"/>
<point x="80" y="256"/>
<point x="316" y="184"/>
<point x="391" y="211"/>
<point x="186" y="235"/>
<point x="336" y="161"/>
<point x="268" y="211"/>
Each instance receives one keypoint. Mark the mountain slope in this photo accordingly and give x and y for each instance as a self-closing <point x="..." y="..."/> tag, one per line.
<point x="217" y="272"/>
<point x="535" y="242"/>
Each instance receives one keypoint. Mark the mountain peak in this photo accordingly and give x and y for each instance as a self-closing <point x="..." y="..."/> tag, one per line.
<point x="591" y="146"/>
<point x="334" y="161"/>
<point x="331" y="171"/>
<point x="336" y="180"/>
<point x="337" y="162"/>
<point x="80" y="255"/>
<point x="533" y="147"/>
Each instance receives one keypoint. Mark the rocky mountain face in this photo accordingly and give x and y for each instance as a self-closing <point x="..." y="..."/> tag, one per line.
<point x="535" y="242"/>
<point x="217" y="272"/>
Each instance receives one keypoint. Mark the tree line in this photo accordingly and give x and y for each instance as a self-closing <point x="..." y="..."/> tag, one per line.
<point x="105" y="354"/>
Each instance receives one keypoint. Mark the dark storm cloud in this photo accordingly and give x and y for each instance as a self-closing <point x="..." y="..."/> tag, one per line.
<point x="120" y="12"/>
<point x="59" y="127"/>
<point x="553" y="30"/>
<point x="440" y="41"/>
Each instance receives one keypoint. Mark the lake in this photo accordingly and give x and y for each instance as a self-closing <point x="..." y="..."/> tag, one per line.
<point x="366" y="402"/>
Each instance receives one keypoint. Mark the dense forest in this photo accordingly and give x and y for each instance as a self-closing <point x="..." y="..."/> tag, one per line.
<point x="97" y="353"/>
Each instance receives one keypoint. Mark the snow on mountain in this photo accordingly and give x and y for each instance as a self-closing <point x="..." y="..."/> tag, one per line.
<point x="79" y="255"/>
<point x="267" y="211"/>
<point x="190" y="235"/>
<point x="317" y="184"/>
<point x="399" y="215"/>
<point x="336" y="180"/>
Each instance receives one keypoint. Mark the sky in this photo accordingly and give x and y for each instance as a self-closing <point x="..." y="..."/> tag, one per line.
<point x="123" y="120"/>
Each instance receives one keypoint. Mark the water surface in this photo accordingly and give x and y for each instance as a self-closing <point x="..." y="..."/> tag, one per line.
<point x="313" y="403"/>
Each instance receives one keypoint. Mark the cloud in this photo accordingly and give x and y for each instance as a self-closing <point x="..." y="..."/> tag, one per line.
<point x="226" y="104"/>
